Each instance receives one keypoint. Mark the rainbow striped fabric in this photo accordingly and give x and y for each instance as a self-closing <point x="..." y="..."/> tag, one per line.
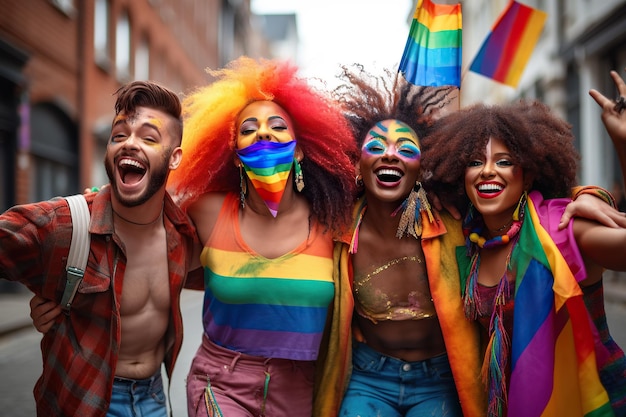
<point x="553" y="365"/>
<point x="507" y="49"/>
<point x="432" y="54"/>
<point x="268" y="307"/>
<point x="268" y="165"/>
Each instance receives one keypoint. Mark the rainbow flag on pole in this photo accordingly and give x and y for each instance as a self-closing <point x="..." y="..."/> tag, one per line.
<point x="507" y="49"/>
<point x="432" y="55"/>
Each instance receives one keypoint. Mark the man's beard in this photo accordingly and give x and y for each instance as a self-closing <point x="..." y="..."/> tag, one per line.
<point x="157" y="179"/>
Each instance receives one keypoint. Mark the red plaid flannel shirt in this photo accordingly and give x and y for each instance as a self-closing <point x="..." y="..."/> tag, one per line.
<point x="80" y="353"/>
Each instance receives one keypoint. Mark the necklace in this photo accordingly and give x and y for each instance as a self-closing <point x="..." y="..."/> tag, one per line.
<point x="475" y="236"/>
<point x="137" y="223"/>
<point x="510" y="222"/>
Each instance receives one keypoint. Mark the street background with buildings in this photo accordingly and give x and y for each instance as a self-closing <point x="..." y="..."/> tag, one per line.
<point x="61" y="60"/>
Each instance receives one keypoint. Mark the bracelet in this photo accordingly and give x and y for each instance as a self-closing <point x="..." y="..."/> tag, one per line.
<point x="595" y="191"/>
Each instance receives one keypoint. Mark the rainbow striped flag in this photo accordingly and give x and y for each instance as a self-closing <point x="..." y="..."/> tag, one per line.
<point x="553" y="366"/>
<point x="432" y="54"/>
<point x="507" y="49"/>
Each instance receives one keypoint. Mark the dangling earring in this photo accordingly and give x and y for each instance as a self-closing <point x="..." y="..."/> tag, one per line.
<point x="243" y="187"/>
<point x="299" y="179"/>
<point x="358" y="181"/>
<point x="410" y="219"/>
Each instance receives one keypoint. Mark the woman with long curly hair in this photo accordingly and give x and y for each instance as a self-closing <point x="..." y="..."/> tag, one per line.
<point x="413" y="352"/>
<point x="268" y="182"/>
<point x="531" y="288"/>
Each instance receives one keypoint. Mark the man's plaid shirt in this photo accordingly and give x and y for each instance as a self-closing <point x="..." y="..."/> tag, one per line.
<point x="80" y="352"/>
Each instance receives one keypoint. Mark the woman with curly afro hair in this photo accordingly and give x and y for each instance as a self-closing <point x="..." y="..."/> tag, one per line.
<point x="413" y="352"/>
<point x="525" y="282"/>
<point x="268" y="181"/>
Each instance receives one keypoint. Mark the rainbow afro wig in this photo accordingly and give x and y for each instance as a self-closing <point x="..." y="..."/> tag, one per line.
<point x="322" y="133"/>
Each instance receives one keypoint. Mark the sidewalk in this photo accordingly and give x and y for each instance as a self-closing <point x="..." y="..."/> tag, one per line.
<point x="14" y="312"/>
<point x="15" y="309"/>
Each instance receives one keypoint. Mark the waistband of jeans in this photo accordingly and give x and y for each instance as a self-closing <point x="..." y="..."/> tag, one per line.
<point x="139" y="382"/>
<point x="370" y="353"/>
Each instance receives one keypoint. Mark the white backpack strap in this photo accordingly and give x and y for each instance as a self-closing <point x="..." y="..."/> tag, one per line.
<point x="79" y="248"/>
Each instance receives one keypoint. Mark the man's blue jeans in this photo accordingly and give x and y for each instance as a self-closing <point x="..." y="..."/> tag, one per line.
<point x="138" y="398"/>
<point x="384" y="386"/>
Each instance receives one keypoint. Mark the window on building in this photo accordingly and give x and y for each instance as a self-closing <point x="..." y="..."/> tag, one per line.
<point x="122" y="47"/>
<point x="54" y="151"/>
<point x="142" y="60"/>
<point x="101" y="33"/>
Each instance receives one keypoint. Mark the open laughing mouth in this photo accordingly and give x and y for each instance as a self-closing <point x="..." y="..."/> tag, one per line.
<point x="387" y="175"/>
<point x="131" y="171"/>
<point x="488" y="190"/>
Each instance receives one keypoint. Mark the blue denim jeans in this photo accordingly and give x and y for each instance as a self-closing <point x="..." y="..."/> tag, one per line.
<point x="138" y="398"/>
<point x="384" y="386"/>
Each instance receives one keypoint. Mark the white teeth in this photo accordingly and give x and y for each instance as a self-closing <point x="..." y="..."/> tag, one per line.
<point x="131" y="162"/>
<point x="389" y="172"/>
<point x="489" y="187"/>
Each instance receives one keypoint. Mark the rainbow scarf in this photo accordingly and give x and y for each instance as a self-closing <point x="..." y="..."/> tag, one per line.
<point x="268" y="165"/>
<point x="432" y="54"/>
<point x="553" y="364"/>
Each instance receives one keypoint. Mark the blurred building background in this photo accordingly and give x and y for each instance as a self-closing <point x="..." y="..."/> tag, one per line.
<point x="581" y="42"/>
<point x="62" y="60"/>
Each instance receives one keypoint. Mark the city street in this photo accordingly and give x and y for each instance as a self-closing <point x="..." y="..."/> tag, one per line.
<point x="20" y="359"/>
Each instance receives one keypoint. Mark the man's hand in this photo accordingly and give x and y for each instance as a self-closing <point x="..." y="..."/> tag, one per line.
<point x="43" y="313"/>
<point x="593" y="208"/>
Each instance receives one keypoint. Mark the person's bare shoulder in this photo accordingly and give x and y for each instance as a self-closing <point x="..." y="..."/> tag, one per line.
<point x="204" y="212"/>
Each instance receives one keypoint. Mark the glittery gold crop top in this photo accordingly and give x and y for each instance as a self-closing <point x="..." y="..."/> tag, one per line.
<point x="397" y="290"/>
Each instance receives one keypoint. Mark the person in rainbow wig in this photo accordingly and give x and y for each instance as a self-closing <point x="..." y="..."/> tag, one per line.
<point x="531" y="288"/>
<point x="268" y="183"/>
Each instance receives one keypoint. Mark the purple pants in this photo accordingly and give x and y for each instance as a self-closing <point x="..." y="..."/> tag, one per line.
<point x="222" y="382"/>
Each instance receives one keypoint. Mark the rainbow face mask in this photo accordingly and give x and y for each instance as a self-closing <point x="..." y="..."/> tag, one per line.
<point x="268" y="165"/>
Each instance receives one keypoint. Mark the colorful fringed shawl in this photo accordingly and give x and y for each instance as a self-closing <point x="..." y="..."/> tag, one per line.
<point x="553" y="363"/>
<point x="439" y="242"/>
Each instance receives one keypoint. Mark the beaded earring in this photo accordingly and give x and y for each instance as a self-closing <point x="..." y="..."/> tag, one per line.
<point x="299" y="177"/>
<point x="243" y="187"/>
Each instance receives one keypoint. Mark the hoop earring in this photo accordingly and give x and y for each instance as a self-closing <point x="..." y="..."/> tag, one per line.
<point x="299" y="177"/>
<point x="358" y="181"/>
<point x="243" y="187"/>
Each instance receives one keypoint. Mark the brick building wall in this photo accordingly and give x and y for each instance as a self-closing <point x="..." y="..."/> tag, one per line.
<point x="65" y="84"/>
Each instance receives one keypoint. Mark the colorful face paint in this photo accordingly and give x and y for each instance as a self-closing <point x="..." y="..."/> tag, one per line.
<point x="148" y="129"/>
<point x="268" y="165"/>
<point x="394" y="137"/>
